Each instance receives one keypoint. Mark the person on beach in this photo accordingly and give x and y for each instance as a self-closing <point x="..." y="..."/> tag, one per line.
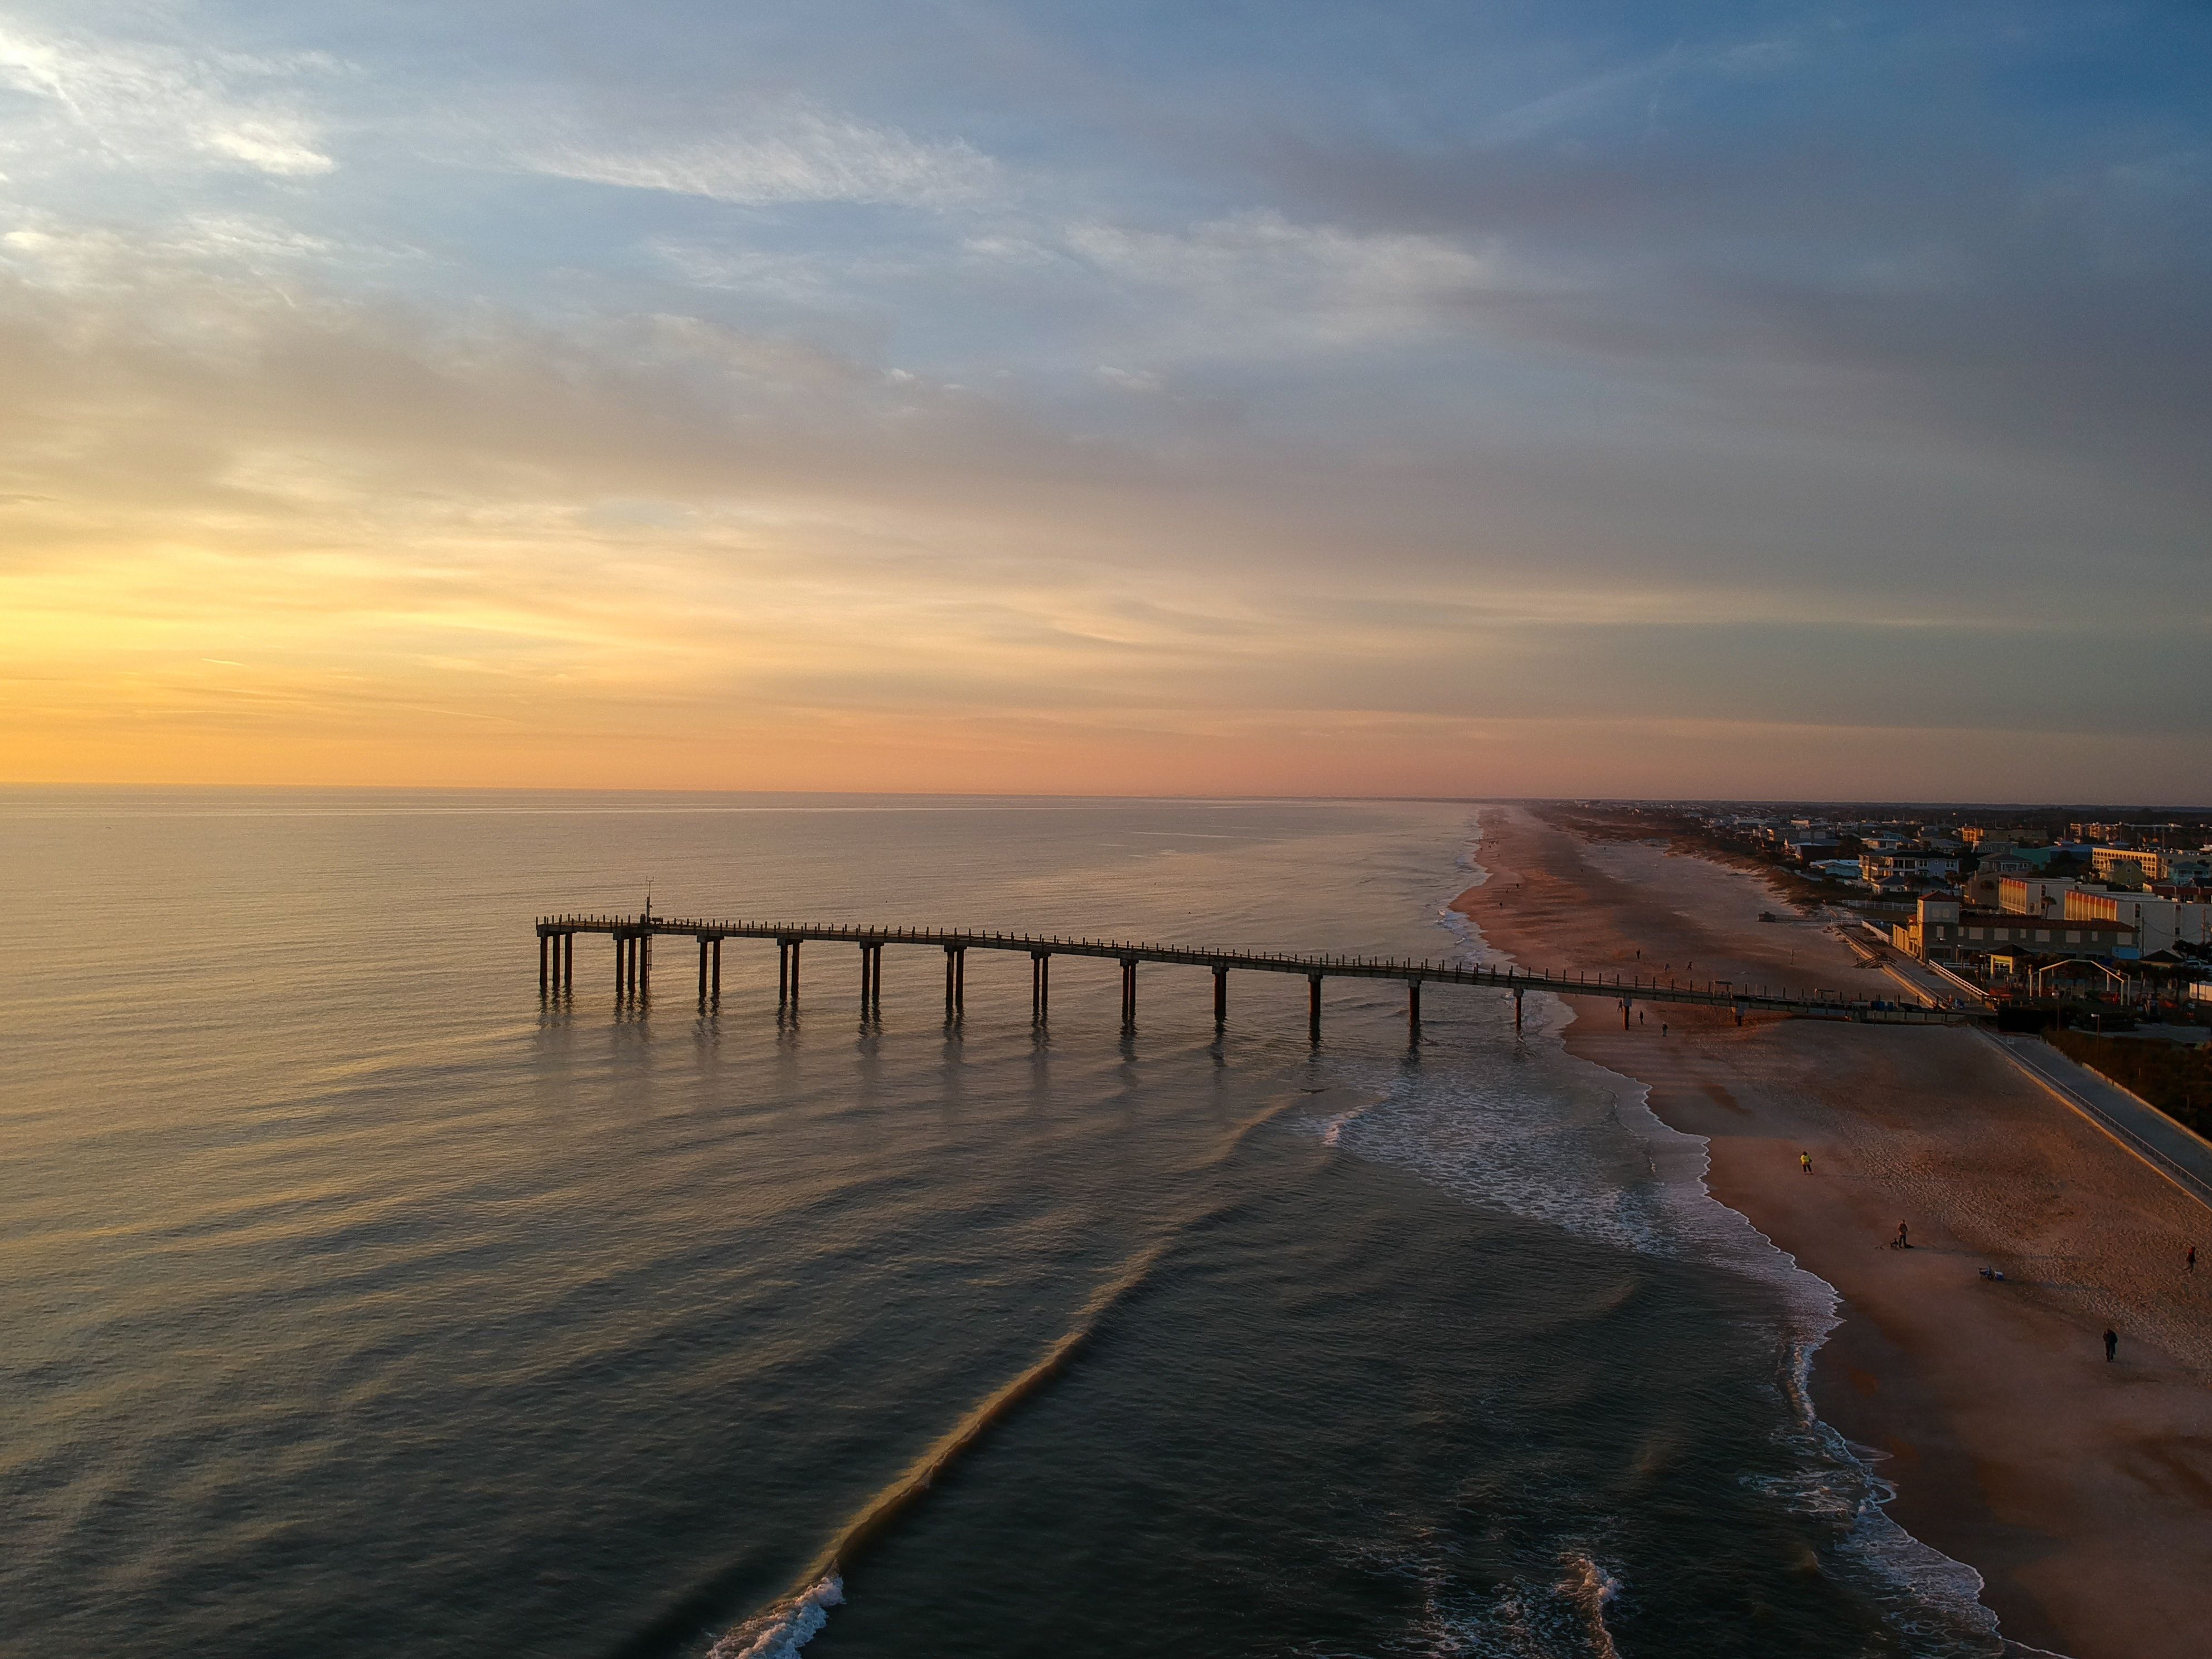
<point x="1904" y="1241"/>
<point x="1805" y="1162"/>
<point x="2111" y="1345"/>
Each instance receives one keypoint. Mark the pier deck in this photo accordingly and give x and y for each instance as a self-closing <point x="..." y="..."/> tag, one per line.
<point x="634" y="936"/>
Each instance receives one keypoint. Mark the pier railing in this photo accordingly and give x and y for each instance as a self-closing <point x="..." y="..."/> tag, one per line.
<point x="633" y="937"/>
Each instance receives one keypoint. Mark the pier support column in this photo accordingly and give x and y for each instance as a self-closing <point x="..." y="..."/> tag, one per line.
<point x="702" y="967"/>
<point x="795" y="975"/>
<point x="960" y="983"/>
<point x="622" y="969"/>
<point x="1313" y="1006"/>
<point x="1220" y="997"/>
<point x="1624" y="1014"/>
<point x="544" y="963"/>
<point x="951" y="959"/>
<point x="1128" y="992"/>
<point x="783" y="974"/>
<point x="569" y="963"/>
<point x="717" y="982"/>
<point x="867" y="974"/>
<point x="1414" y="1009"/>
<point x="644" y="966"/>
<point x="1039" y="987"/>
<point x="1516" y="1011"/>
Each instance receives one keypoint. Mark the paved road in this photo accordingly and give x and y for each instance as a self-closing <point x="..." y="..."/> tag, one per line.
<point x="2182" y="1158"/>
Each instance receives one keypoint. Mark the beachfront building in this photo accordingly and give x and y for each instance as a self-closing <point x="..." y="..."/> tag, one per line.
<point x="2127" y="867"/>
<point x="1887" y="871"/>
<point x="2160" y="923"/>
<point x="2032" y="895"/>
<point x="1945" y="930"/>
<point x="1982" y="887"/>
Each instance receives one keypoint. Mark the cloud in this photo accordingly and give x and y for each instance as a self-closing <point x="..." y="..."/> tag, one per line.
<point x="52" y="253"/>
<point x="146" y="104"/>
<point x="805" y="155"/>
<point x="1238" y="410"/>
<point x="1260" y="278"/>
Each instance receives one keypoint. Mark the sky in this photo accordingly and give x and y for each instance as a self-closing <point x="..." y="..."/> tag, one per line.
<point x="1625" y="399"/>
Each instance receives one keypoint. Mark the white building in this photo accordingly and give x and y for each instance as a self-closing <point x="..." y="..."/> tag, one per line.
<point x="2160" y="923"/>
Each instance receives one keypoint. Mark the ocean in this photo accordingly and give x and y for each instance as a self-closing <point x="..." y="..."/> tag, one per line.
<point x="357" y="1302"/>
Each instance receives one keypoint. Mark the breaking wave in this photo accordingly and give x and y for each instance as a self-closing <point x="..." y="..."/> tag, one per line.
<point x="1575" y="1145"/>
<point x="779" y="1631"/>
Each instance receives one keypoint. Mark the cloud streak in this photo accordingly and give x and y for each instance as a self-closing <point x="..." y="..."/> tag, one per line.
<point x="148" y="105"/>
<point x="804" y="155"/>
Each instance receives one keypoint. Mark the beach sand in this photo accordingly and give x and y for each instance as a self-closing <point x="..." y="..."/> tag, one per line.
<point x="2081" y="1490"/>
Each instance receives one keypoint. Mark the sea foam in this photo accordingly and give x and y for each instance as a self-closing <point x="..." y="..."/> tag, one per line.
<point x="780" y="1631"/>
<point x="1539" y="1145"/>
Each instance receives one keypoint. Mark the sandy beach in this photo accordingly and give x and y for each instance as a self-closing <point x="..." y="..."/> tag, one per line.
<point x="2082" y="1491"/>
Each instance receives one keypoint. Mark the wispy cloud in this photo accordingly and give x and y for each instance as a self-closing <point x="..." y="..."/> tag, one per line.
<point x="803" y="155"/>
<point x="1261" y="275"/>
<point x="151" y="105"/>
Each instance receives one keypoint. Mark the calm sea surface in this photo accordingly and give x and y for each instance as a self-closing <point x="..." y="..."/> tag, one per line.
<point x="352" y="1302"/>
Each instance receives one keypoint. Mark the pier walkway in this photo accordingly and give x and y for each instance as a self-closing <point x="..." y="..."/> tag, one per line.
<point x="633" y="938"/>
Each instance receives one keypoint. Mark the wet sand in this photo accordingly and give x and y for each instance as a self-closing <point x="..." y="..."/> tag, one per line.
<point x="2081" y="1490"/>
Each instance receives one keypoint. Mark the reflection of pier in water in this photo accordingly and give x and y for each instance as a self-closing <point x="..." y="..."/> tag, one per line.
<point x="633" y="938"/>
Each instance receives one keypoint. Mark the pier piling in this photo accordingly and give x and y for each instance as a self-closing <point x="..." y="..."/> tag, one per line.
<point x="1313" y="1006"/>
<point x="1414" y="1009"/>
<point x="1220" y="996"/>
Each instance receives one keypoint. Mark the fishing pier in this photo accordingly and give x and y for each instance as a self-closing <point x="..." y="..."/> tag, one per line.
<point x="633" y="936"/>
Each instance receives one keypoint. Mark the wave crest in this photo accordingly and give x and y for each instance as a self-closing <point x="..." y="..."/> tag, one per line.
<point x="779" y="1631"/>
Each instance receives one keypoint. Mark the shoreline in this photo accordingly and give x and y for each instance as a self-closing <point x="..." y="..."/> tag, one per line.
<point x="2080" y="1492"/>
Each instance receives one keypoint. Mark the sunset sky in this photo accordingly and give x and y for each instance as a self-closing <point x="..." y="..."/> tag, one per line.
<point x="1457" y="398"/>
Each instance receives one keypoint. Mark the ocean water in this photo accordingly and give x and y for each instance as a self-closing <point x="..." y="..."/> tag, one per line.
<point x="356" y="1302"/>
